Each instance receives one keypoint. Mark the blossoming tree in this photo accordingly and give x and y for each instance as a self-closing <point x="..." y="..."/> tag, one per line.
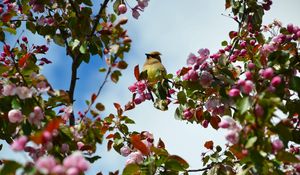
<point x="239" y="88"/>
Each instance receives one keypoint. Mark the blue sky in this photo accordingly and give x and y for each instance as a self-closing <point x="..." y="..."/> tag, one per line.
<point x="175" y="28"/>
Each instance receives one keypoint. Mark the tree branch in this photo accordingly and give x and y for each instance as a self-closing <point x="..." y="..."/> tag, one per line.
<point x="99" y="90"/>
<point x="98" y="16"/>
<point x="201" y="169"/>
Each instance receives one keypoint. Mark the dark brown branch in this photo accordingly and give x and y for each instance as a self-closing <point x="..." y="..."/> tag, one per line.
<point x="98" y="16"/>
<point x="72" y="86"/>
<point x="201" y="169"/>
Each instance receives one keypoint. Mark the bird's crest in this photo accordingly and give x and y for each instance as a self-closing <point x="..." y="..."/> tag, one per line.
<point x="154" y="54"/>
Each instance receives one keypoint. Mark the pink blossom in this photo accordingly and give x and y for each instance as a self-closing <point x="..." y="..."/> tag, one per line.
<point x="45" y="164"/>
<point x="36" y="117"/>
<point x="228" y="122"/>
<point x="243" y="44"/>
<point x="141" y="86"/>
<point x="64" y="148"/>
<point x="139" y="100"/>
<point x="204" y="53"/>
<point x="232" y="137"/>
<point x="205" y="79"/>
<point x="15" y="116"/>
<point x="234" y="92"/>
<point x="205" y="123"/>
<point x="9" y="90"/>
<point x="135" y="157"/>
<point x="258" y="110"/>
<point x="19" y="143"/>
<point x="125" y="151"/>
<point x="122" y="8"/>
<point x="58" y="169"/>
<point x="76" y="160"/>
<point x="135" y="13"/>
<point x="143" y="3"/>
<point x="72" y="171"/>
<point x="251" y="66"/>
<point x="277" y="145"/>
<point x="248" y="87"/>
<point x="187" y="114"/>
<point x="248" y="75"/>
<point x="267" y="73"/>
<point x="23" y="92"/>
<point x="148" y="135"/>
<point x="192" y="58"/>
<point x="193" y="75"/>
<point x="80" y="145"/>
<point x="132" y="88"/>
<point x="276" y="81"/>
<point x="290" y="28"/>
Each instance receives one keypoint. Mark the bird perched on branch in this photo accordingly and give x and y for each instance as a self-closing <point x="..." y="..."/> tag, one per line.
<point x="155" y="74"/>
<point x="154" y="67"/>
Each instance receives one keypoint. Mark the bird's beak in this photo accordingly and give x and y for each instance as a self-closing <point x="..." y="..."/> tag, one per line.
<point x="147" y="54"/>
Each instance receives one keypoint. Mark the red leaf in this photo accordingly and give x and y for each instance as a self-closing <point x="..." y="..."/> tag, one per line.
<point x="209" y="144"/>
<point x="160" y="144"/>
<point x="138" y="144"/>
<point x="93" y="98"/>
<point x="119" y="109"/>
<point x="137" y="72"/>
<point x="23" y="59"/>
<point x="54" y="124"/>
<point x="214" y="122"/>
<point x="6" y="17"/>
<point x="109" y="145"/>
<point x="236" y="150"/>
<point x="110" y="136"/>
<point x="37" y="138"/>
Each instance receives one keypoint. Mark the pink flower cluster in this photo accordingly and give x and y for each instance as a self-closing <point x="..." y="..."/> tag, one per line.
<point x="135" y="156"/>
<point x="22" y="92"/>
<point x="74" y="164"/>
<point x="199" y="68"/>
<point x="293" y="34"/>
<point x="19" y="143"/>
<point x="230" y="124"/>
<point x="15" y="116"/>
<point x="142" y="4"/>
<point x="140" y="88"/>
<point x="36" y="116"/>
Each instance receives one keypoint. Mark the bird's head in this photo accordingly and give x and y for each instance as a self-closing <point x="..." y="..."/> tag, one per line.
<point x="154" y="54"/>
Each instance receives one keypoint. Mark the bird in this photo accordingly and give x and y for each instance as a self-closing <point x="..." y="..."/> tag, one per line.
<point x="154" y="68"/>
<point x="155" y="74"/>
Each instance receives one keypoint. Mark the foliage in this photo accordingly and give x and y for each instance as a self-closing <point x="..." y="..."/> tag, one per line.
<point x="239" y="88"/>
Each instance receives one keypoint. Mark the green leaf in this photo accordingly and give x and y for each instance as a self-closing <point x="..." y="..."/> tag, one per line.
<point x="87" y="2"/>
<point x="10" y="167"/>
<point x="243" y="105"/>
<point x="287" y="157"/>
<point x="83" y="48"/>
<point x="131" y="169"/>
<point x="251" y="142"/>
<point x="181" y="97"/>
<point x="115" y="76"/>
<point x="295" y="84"/>
<point x="93" y="159"/>
<point x="59" y="40"/>
<point x="75" y="43"/>
<point x="102" y="69"/>
<point x="100" y="107"/>
<point x="31" y="27"/>
<point x="224" y="43"/>
<point x="116" y="5"/>
<point x="15" y="104"/>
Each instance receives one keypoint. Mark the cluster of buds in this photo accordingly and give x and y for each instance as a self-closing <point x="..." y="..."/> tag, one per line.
<point x="140" y="88"/>
<point x="142" y="4"/>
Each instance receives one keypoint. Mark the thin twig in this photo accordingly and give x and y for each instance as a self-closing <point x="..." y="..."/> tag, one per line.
<point x="98" y="16"/>
<point x="99" y="91"/>
<point x="201" y="169"/>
